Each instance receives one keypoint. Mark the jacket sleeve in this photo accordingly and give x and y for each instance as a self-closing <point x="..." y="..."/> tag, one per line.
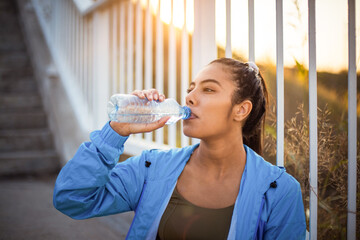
<point x="287" y="217"/>
<point x="91" y="184"/>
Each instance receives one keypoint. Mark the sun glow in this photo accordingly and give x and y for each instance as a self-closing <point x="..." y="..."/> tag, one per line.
<point x="174" y="14"/>
<point x="331" y="29"/>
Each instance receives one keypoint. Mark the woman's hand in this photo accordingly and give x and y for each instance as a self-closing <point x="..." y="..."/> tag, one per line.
<point x="125" y="129"/>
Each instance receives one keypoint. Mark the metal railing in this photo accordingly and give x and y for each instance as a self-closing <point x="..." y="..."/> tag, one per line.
<point x="104" y="47"/>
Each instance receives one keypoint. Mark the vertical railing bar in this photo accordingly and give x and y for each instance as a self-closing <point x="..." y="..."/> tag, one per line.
<point x="77" y="49"/>
<point x="172" y="74"/>
<point x="159" y="65"/>
<point x="228" y="52"/>
<point x="122" y="49"/>
<point x="91" y="63"/>
<point x="138" y="47"/>
<point x="83" y="55"/>
<point x="102" y="58"/>
<point x="184" y="71"/>
<point x="114" y="49"/>
<point x="130" y="48"/>
<point x="65" y="28"/>
<point x="80" y="59"/>
<point x="148" y="55"/>
<point x="56" y="24"/>
<point x="279" y="84"/>
<point x="204" y="47"/>
<point x="53" y="23"/>
<point x="94" y="63"/>
<point x="66" y="31"/>
<point x="72" y="38"/>
<point x="313" y="121"/>
<point x="74" y="43"/>
<point x="251" y="31"/>
<point x="85" y="61"/>
<point x="139" y="51"/>
<point x="352" y="121"/>
<point x="63" y="38"/>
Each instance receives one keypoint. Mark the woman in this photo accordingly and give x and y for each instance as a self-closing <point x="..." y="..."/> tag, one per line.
<point x="218" y="189"/>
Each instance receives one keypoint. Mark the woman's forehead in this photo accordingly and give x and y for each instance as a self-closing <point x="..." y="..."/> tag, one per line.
<point x="215" y="71"/>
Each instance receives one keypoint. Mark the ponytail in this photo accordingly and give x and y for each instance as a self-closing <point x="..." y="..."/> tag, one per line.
<point x="250" y="86"/>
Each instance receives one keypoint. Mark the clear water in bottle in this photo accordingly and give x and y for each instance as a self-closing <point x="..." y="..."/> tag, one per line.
<point x="132" y="109"/>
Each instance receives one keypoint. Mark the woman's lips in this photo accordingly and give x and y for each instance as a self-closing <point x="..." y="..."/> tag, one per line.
<point x="193" y="116"/>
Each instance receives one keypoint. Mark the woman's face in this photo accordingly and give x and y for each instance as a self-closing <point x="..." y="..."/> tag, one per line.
<point x="209" y="98"/>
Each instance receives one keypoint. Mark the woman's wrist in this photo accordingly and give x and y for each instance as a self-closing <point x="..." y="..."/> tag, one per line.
<point x="122" y="131"/>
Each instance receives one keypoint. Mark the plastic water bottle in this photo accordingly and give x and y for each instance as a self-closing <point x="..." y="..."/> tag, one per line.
<point x="132" y="109"/>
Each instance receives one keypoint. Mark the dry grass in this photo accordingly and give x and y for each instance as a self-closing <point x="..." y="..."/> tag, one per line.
<point x="332" y="167"/>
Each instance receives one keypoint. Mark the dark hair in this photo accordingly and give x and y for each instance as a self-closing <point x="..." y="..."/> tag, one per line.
<point x="250" y="86"/>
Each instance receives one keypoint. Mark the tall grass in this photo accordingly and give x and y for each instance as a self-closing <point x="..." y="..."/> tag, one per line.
<point x="332" y="167"/>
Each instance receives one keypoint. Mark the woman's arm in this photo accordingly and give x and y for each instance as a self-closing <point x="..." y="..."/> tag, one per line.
<point x="90" y="185"/>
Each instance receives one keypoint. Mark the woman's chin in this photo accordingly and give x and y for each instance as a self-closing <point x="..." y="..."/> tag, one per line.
<point x="190" y="132"/>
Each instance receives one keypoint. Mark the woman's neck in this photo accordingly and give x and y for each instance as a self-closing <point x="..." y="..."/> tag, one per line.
<point x="220" y="157"/>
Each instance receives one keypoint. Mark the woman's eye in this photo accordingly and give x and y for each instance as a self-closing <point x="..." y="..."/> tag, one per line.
<point x="208" y="90"/>
<point x="188" y="90"/>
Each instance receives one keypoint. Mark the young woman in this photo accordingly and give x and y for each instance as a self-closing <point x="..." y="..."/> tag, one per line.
<point x="219" y="189"/>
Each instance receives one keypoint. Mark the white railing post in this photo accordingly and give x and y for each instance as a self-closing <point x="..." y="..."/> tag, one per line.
<point x="81" y="59"/>
<point x="184" y="71"/>
<point x="138" y="46"/>
<point x="122" y="49"/>
<point x="251" y="30"/>
<point x="114" y="48"/>
<point x="172" y="74"/>
<point x="352" y="121"/>
<point x="279" y="84"/>
<point x="148" y="55"/>
<point x="228" y="51"/>
<point x="101" y="61"/>
<point x="138" y="51"/>
<point x="313" y="122"/>
<point x="204" y="48"/>
<point x="159" y="64"/>
<point x="130" y="48"/>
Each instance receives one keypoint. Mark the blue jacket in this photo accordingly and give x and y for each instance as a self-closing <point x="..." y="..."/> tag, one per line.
<point x="92" y="184"/>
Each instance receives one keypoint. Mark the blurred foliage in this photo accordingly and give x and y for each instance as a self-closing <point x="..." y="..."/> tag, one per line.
<point x="332" y="167"/>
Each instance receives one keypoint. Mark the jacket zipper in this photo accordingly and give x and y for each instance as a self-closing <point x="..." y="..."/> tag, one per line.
<point x="259" y="217"/>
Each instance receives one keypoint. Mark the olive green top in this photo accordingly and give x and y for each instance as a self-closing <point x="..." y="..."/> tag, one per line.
<point x="184" y="220"/>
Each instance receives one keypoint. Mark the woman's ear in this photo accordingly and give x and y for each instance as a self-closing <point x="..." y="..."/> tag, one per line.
<point x="242" y="110"/>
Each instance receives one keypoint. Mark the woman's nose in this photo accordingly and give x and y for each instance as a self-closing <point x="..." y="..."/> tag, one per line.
<point x="190" y="99"/>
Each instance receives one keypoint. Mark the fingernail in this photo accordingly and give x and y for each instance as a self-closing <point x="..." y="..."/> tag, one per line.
<point x="156" y="97"/>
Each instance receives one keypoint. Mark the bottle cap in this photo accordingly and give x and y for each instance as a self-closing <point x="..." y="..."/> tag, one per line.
<point x="187" y="112"/>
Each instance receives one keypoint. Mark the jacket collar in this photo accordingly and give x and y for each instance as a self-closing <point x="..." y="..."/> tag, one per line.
<point x="260" y="172"/>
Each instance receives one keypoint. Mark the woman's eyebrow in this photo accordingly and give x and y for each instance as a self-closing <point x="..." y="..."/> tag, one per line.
<point x="206" y="81"/>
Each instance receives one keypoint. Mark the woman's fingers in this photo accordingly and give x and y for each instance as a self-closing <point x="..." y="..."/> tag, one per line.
<point x="139" y="94"/>
<point x="148" y="127"/>
<point x="151" y="94"/>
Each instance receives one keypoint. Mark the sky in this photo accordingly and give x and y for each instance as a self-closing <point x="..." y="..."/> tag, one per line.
<point x="331" y="29"/>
